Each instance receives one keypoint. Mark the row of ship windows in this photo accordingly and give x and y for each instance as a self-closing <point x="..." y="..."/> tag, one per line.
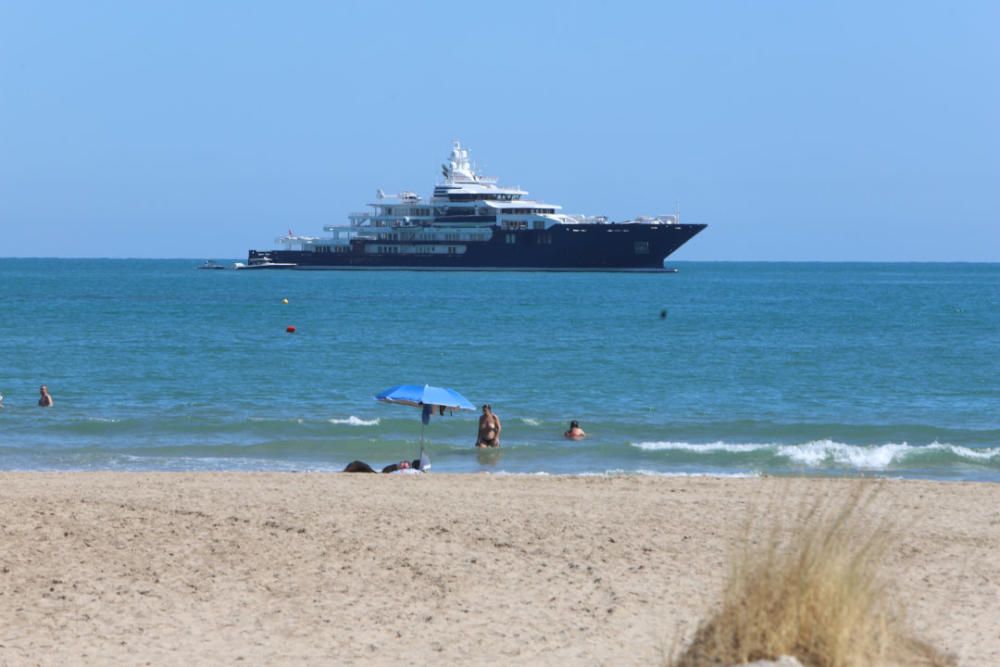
<point x="459" y="210"/>
<point x="406" y="210"/>
<point x="474" y="196"/>
<point x="522" y="224"/>
<point x="480" y="197"/>
<point x="540" y="239"/>
<point x="439" y="237"/>
<point x="417" y="212"/>
<point x="418" y="250"/>
<point x="639" y="247"/>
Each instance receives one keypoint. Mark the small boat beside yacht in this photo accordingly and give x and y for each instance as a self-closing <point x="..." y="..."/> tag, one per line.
<point x="212" y="266"/>
<point x="261" y="262"/>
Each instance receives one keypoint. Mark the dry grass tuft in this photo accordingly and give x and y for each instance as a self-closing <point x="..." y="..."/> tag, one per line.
<point x="815" y="591"/>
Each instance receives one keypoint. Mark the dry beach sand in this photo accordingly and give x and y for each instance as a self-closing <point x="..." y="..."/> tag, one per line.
<point x="336" y="569"/>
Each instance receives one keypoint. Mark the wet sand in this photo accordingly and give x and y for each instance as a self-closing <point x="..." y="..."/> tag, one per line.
<point x="321" y="569"/>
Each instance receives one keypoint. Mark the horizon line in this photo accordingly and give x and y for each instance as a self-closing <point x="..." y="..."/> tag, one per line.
<point x="683" y="261"/>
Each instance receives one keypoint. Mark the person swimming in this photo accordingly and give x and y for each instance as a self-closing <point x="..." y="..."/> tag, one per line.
<point x="45" y="398"/>
<point x="575" y="432"/>
<point x="489" y="428"/>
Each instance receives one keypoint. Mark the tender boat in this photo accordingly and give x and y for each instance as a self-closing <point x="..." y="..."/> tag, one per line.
<point x="261" y="262"/>
<point x="210" y="265"/>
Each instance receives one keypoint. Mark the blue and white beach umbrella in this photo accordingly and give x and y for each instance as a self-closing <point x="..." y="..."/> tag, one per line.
<point x="425" y="397"/>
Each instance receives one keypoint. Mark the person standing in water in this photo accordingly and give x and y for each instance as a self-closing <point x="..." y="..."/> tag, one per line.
<point x="45" y="398"/>
<point x="489" y="428"/>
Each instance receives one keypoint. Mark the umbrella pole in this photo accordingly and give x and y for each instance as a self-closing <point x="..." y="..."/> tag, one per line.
<point x="421" y="439"/>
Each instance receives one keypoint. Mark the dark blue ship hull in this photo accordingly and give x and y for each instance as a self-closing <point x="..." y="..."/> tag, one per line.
<point x="632" y="246"/>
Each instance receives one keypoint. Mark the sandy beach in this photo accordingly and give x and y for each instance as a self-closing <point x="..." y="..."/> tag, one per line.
<point x="323" y="569"/>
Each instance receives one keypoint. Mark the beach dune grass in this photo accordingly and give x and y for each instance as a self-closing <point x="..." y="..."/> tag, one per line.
<point x="819" y="593"/>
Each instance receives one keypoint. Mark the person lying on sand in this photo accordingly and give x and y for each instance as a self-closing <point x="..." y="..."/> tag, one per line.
<point x="361" y="466"/>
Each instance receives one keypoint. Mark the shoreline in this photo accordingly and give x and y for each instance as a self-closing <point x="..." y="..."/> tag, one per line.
<point x="848" y="476"/>
<point x="445" y="568"/>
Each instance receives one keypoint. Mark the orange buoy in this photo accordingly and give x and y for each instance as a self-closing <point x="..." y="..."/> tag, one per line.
<point x="290" y="329"/>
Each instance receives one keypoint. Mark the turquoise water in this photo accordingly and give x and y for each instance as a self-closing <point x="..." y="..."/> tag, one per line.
<point x="842" y="369"/>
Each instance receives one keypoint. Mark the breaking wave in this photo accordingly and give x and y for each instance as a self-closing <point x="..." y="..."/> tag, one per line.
<point x="829" y="453"/>
<point x="356" y="421"/>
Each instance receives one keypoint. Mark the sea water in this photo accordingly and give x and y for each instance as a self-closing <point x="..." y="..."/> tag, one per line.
<point x="722" y="368"/>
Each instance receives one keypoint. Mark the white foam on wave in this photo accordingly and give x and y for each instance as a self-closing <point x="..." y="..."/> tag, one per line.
<point x="830" y="452"/>
<point x="103" y="420"/>
<point x="701" y="447"/>
<point x="875" y="457"/>
<point x="530" y="422"/>
<point x="356" y="421"/>
<point x="968" y="453"/>
<point x="820" y="452"/>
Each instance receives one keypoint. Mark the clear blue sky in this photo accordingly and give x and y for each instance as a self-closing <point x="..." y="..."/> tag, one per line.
<point x="796" y="130"/>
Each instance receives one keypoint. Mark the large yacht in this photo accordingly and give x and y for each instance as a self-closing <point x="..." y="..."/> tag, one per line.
<point x="471" y="222"/>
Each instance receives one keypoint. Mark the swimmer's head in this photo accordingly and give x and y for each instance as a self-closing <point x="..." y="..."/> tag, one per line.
<point x="574" y="424"/>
